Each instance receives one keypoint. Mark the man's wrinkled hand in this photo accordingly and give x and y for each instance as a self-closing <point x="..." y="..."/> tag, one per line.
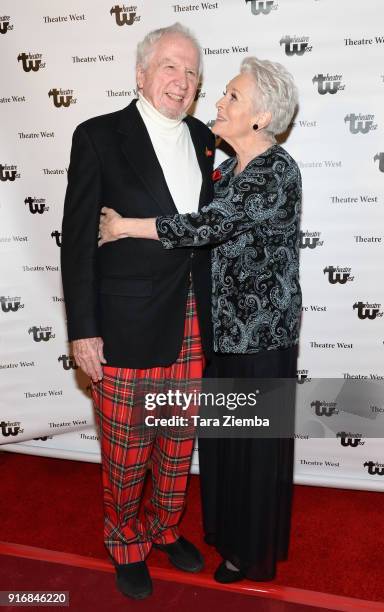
<point x="89" y="355"/>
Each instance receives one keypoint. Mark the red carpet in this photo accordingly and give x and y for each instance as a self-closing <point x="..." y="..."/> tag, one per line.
<point x="337" y="542"/>
<point x="93" y="591"/>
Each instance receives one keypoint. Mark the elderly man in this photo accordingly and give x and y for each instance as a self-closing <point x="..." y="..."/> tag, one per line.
<point x="131" y="307"/>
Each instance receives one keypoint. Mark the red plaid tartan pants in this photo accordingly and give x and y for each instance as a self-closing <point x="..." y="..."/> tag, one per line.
<point x="126" y="454"/>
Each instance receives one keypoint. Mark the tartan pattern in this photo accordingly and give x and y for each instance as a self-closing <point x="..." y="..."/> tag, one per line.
<point x="127" y="452"/>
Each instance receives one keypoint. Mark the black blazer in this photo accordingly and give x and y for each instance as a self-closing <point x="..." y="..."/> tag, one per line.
<point x="130" y="292"/>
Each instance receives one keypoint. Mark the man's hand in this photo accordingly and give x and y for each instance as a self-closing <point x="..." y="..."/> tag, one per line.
<point x="88" y="354"/>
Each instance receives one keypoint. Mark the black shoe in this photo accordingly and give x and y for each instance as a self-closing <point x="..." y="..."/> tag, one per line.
<point x="183" y="555"/>
<point x="226" y="576"/>
<point x="133" y="580"/>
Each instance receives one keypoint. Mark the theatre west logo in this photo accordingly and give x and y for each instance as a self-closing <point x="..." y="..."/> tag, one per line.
<point x="9" y="428"/>
<point x="302" y="376"/>
<point x="374" y="468"/>
<point x="62" y="97"/>
<point x="329" y="83"/>
<point x="5" y="24"/>
<point x="262" y="7"/>
<point x="10" y="304"/>
<point x="36" y="205"/>
<point x="360" y="124"/>
<point x="41" y="334"/>
<point x="57" y="236"/>
<point x="380" y="158"/>
<point x="368" y="311"/>
<point x="310" y="240"/>
<point x="327" y="409"/>
<point x="124" y="15"/>
<point x="68" y="362"/>
<point x="200" y="94"/>
<point x="338" y="275"/>
<point x="31" y="62"/>
<point x="295" y="45"/>
<point x="8" y="173"/>
<point x="350" y="439"/>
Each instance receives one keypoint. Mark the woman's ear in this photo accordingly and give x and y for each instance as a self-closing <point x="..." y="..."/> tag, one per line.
<point x="263" y="119"/>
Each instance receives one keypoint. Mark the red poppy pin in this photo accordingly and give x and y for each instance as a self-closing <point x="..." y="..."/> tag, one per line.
<point x="208" y="152"/>
<point x="216" y="175"/>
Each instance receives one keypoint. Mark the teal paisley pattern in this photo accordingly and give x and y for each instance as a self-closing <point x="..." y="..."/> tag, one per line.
<point x="253" y="226"/>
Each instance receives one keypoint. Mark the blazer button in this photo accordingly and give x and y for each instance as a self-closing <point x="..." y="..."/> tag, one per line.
<point x="192" y="254"/>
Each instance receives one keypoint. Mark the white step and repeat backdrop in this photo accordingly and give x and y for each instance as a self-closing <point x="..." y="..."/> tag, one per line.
<point x="65" y="61"/>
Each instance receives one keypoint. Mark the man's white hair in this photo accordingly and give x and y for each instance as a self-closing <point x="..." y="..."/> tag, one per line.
<point x="146" y="47"/>
<point x="275" y="91"/>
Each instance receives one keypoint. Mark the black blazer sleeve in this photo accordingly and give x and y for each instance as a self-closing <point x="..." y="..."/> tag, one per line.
<point x="79" y="238"/>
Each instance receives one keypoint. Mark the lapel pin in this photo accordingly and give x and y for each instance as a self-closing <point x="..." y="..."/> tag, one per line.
<point x="208" y="152"/>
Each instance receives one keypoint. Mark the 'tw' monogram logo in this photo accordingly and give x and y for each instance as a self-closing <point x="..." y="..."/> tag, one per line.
<point x="358" y="126"/>
<point x="323" y="410"/>
<point x="365" y="313"/>
<point x="4" y="27"/>
<point x="374" y="469"/>
<point x="261" y="6"/>
<point x="6" y="430"/>
<point x="308" y="241"/>
<point x="302" y="377"/>
<point x="336" y="278"/>
<point x="29" y="64"/>
<point x="121" y="16"/>
<point x="58" y="99"/>
<point x="7" y="175"/>
<point x="380" y="157"/>
<point x="293" y="48"/>
<point x="68" y="362"/>
<point x="35" y="207"/>
<point x="9" y="306"/>
<point x="39" y="335"/>
<point x="57" y="236"/>
<point x="344" y="441"/>
<point x="324" y="86"/>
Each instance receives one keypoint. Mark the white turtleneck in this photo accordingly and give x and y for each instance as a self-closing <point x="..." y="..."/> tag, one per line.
<point x="176" y="154"/>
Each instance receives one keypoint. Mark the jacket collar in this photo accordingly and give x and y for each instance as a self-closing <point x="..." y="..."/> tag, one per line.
<point x="140" y="154"/>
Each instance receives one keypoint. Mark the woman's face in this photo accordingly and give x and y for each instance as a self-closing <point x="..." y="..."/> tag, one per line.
<point x="235" y="110"/>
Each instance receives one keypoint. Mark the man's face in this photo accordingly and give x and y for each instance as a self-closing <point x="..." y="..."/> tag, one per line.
<point x="170" y="80"/>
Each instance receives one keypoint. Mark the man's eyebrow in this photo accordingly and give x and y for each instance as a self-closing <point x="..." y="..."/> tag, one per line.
<point x="166" y="60"/>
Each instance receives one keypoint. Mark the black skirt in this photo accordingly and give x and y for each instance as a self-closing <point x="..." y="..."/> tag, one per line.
<point x="246" y="484"/>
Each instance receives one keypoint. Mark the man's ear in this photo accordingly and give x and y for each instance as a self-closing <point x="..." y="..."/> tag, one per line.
<point x="140" y="76"/>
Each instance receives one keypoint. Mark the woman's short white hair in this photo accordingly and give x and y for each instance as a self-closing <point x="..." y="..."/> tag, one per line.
<point x="275" y="92"/>
<point x="146" y="46"/>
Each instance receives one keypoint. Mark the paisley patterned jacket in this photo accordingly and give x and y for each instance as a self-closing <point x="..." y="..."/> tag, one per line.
<point x="254" y="221"/>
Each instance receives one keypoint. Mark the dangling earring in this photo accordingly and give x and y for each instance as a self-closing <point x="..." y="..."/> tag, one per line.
<point x="255" y="126"/>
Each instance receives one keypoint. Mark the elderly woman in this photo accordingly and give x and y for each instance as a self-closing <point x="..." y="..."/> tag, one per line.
<point x="253" y="227"/>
